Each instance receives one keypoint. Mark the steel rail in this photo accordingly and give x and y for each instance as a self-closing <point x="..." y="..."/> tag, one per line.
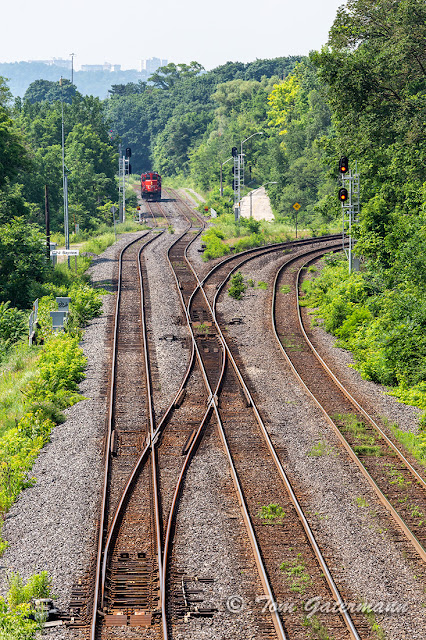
<point x="107" y="451"/>
<point x="148" y="450"/>
<point x="309" y="533"/>
<point x="348" y="395"/>
<point x="151" y="417"/>
<point x="332" y="585"/>
<point x="382" y="498"/>
<point x="213" y="404"/>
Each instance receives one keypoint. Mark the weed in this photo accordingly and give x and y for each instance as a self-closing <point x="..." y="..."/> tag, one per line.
<point x="271" y="514"/>
<point x="317" y="629"/>
<point x="362" y="502"/>
<point x="322" y="449"/>
<point x="296" y="574"/>
<point x="415" y="511"/>
<point x="349" y="423"/>
<point x="250" y="282"/>
<point x="262" y="285"/>
<point x="285" y="288"/>
<point x="367" y="450"/>
<point x="237" y="286"/>
<point x="375" y="626"/>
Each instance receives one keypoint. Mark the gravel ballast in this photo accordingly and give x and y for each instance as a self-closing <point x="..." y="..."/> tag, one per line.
<point x="366" y="560"/>
<point x="53" y="524"/>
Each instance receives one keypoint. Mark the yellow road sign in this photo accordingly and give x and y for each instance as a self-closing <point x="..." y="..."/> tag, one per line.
<point x="296" y="206"/>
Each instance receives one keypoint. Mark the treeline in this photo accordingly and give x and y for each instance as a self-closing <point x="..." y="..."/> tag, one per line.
<point x="373" y="74"/>
<point x="185" y="123"/>
<point x="30" y="159"/>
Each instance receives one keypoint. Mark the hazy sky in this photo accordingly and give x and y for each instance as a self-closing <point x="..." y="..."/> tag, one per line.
<point x="179" y="30"/>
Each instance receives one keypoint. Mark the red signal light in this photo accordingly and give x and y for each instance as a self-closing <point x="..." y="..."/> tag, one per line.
<point x="343" y="195"/>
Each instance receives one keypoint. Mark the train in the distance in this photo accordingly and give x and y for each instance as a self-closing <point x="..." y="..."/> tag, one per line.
<point x="151" y="185"/>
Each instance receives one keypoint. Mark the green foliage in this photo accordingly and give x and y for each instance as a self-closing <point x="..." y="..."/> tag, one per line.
<point x="384" y="328"/>
<point x="19" y="448"/>
<point x="86" y="304"/>
<point x="23" y="262"/>
<point x="237" y="286"/>
<point x="215" y="247"/>
<point x="271" y="514"/>
<point x="296" y="574"/>
<point x="46" y="90"/>
<point x="322" y="448"/>
<point x="13" y="324"/>
<point x="60" y="368"/>
<point x="19" y="620"/>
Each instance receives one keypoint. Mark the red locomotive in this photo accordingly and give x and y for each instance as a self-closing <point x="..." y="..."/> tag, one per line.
<point x="151" y="185"/>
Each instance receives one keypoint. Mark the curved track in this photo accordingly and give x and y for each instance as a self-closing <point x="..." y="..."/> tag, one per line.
<point x="135" y="573"/>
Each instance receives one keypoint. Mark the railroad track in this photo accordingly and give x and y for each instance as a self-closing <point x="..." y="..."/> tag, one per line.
<point x="398" y="485"/>
<point x="137" y="574"/>
<point x="128" y="566"/>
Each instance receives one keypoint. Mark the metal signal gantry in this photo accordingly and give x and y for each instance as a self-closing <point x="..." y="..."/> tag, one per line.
<point x="349" y="197"/>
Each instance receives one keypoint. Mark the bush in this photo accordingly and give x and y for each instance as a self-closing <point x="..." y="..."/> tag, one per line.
<point x="237" y="286"/>
<point x="13" y="324"/>
<point x="86" y="304"/>
<point x="18" y="618"/>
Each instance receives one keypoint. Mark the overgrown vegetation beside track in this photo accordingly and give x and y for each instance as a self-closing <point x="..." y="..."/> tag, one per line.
<point x="225" y="235"/>
<point x="384" y="329"/>
<point x="38" y="382"/>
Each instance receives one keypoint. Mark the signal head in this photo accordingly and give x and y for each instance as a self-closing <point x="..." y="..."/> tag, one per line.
<point x="343" y="195"/>
<point x="343" y="164"/>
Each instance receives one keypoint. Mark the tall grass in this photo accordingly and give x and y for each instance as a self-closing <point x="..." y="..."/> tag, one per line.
<point x="17" y="370"/>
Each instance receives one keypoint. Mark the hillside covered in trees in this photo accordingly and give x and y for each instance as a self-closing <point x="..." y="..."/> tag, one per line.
<point x="363" y="96"/>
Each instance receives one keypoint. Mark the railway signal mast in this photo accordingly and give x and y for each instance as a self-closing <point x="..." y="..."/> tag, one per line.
<point x="349" y="197"/>
<point x="124" y="169"/>
<point x="236" y="182"/>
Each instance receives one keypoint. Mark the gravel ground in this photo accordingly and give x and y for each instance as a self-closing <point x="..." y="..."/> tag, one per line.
<point x="50" y="528"/>
<point x="365" y="559"/>
<point x="210" y="536"/>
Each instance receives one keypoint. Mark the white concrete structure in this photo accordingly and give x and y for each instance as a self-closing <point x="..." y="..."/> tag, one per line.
<point x="260" y="205"/>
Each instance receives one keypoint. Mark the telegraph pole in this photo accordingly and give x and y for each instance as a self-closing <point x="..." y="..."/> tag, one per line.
<point x="47" y="219"/>
<point x="64" y="179"/>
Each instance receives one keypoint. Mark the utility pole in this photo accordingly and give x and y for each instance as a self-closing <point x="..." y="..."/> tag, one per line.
<point x="72" y="67"/>
<point x="47" y="219"/>
<point x="236" y="183"/>
<point x="64" y="179"/>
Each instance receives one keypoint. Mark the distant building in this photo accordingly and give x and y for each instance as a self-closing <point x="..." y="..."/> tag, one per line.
<point x="106" y="66"/>
<point x="57" y="62"/>
<point x="151" y="65"/>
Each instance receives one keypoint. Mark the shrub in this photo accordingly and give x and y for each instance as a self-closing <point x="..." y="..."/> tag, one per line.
<point x="18" y="618"/>
<point x="13" y="324"/>
<point x="237" y="286"/>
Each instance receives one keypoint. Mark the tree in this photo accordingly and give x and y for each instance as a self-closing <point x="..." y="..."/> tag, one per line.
<point x="23" y="262"/>
<point x="166" y="77"/>
<point x="46" y="90"/>
<point x="374" y="73"/>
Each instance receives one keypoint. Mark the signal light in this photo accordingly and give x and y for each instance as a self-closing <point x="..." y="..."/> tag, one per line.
<point x="128" y="152"/>
<point x="343" y="164"/>
<point x="343" y="195"/>
<point x="234" y="152"/>
<point x="234" y="184"/>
